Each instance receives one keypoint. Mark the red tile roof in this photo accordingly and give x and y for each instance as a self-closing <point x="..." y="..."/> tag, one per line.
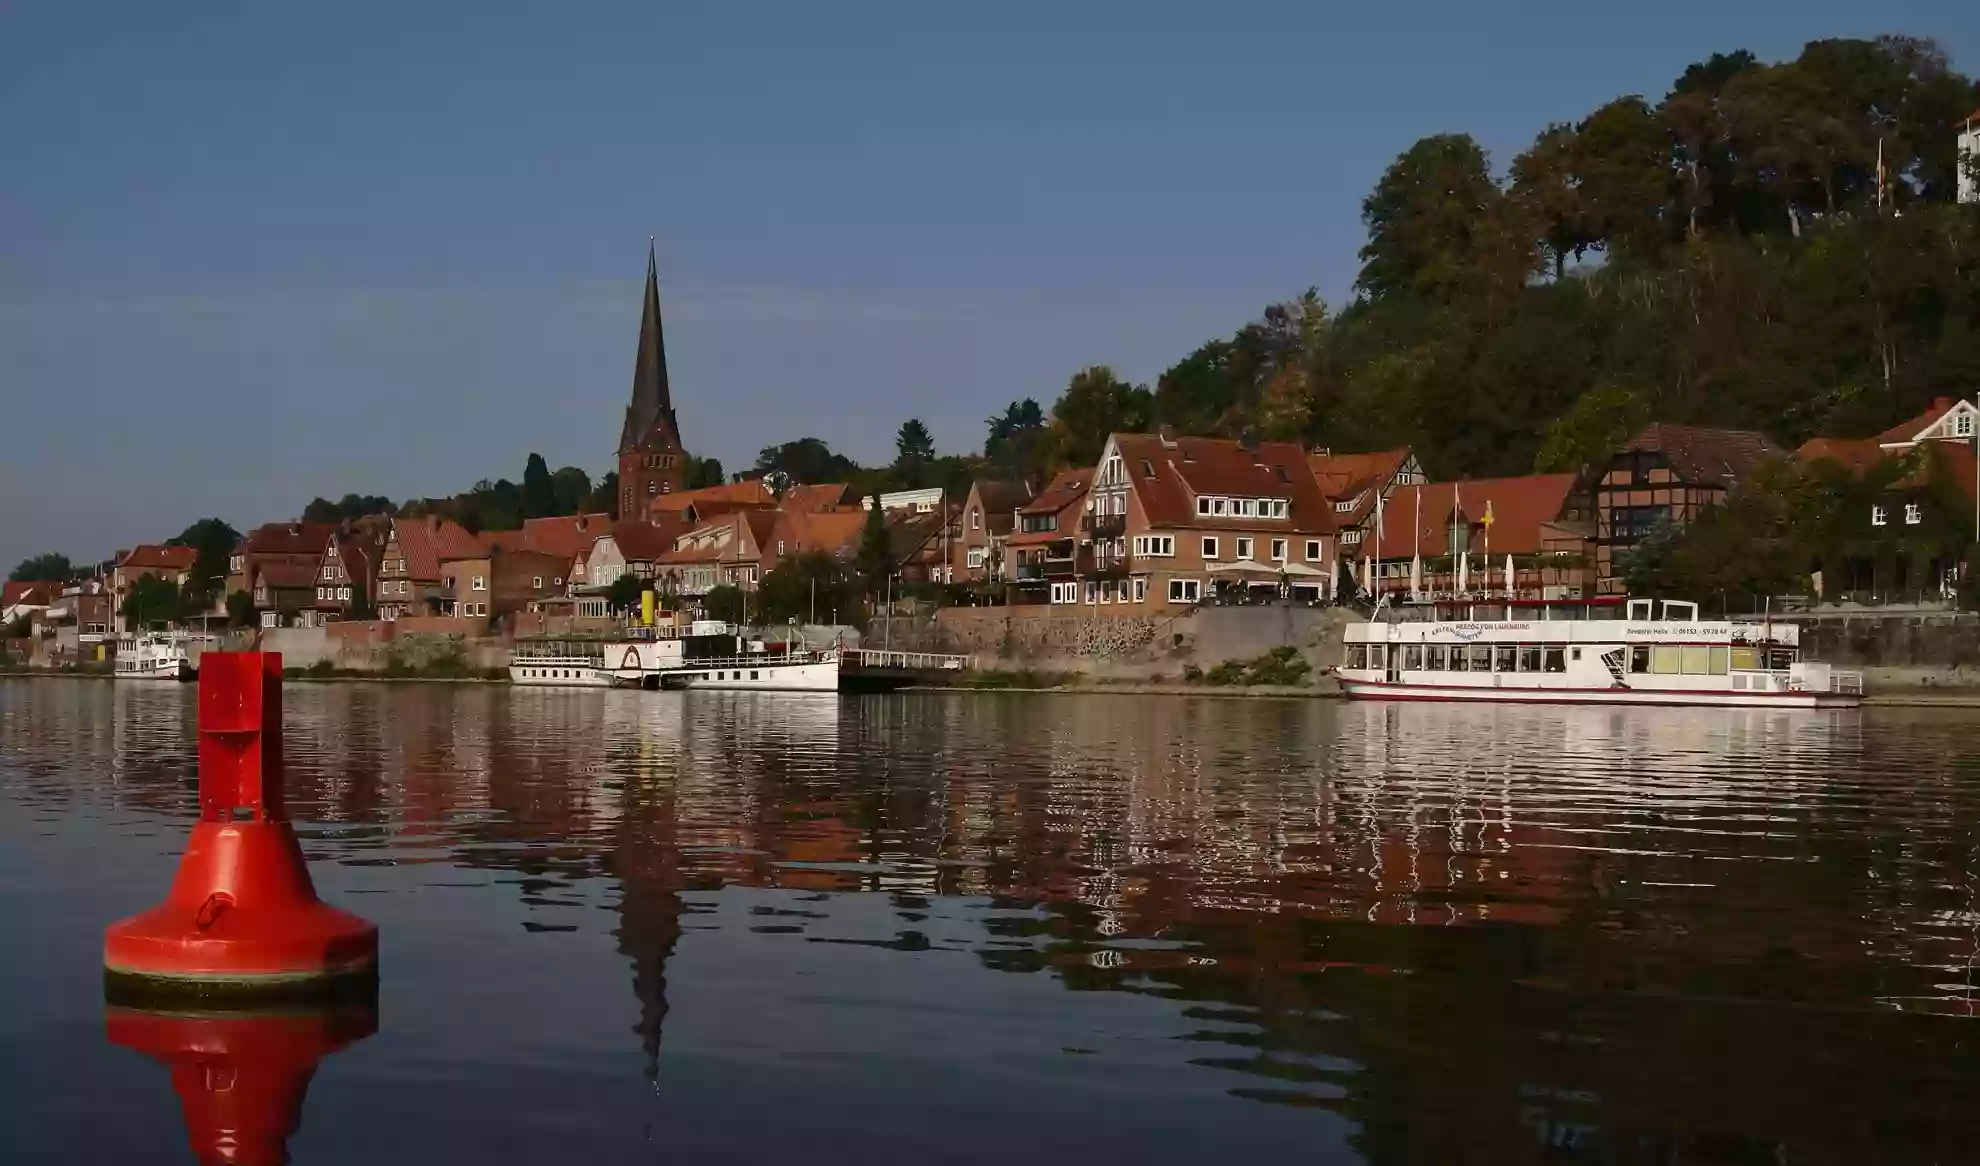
<point x="425" y="542"/>
<point x="751" y="492"/>
<point x="1519" y="507"/>
<point x="30" y="593"/>
<point x="1355" y="477"/>
<point x="1001" y="500"/>
<point x="285" y="575"/>
<point x="153" y="557"/>
<point x="819" y="497"/>
<point x="1953" y="460"/>
<point x="1066" y="488"/>
<point x="1701" y="455"/>
<point x="1186" y="468"/>
<point x="1857" y="454"/>
<point x="288" y="538"/>
<point x="803" y="532"/>
<point x="642" y="542"/>
<point x="1908" y="430"/>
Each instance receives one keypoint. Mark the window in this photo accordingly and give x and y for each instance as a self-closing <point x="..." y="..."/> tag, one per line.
<point x="1716" y="666"/>
<point x="1913" y="515"/>
<point x="536" y="581"/>
<point x="1574" y="653"/>
<point x="1378" y="656"/>
<point x="653" y="487"/>
<point x="343" y="593"/>
<point x="1357" y="655"/>
<point x="1141" y="590"/>
<point x="1346" y="507"/>
<point x="752" y="674"/>
<point x="1433" y="657"/>
<point x="1639" y="658"/>
<point x="1185" y="590"/>
<point x="1505" y="658"/>
<point x="1278" y="550"/>
<point x="1630" y="523"/>
<point x="1313" y="550"/>
<point x="1481" y="657"/>
<point x="1155" y="545"/>
<point x="1092" y="594"/>
<point x="1210" y="547"/>
<point x="1350" y="537"/>
<point x="1879" y="516"/>
<point x="1458" y="660"/>
<point x="1529" y="657"/>
<point x="1664" y="660"/>
<point x="480" y="583"/>
<point x="1065" y="593"/>
<point x="1107" y="591"/>
<point x="1216" y="506"/>
<point x="1963" y="425"/>
<point x="1278" y="508"/>
<point x="1556" y="659"/>
<point x="1244" y="548"/>
<point x="557" y="582"/>
<point x="1203" y="505"/>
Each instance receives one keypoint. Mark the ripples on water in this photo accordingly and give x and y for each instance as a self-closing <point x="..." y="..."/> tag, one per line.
<point x="975" y="927"/>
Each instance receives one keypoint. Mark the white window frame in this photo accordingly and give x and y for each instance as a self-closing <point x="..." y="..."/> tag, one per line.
<point x="1963" y="424"/>
<point x="1203" y="506"/>
<point x="480" y="583"/>
<point x="1280" y="550"/>
<point x="344" y="593"/>
<point x="1879" y="516"/>
<point x="1913" y="514"/>
<point x="1245" y="547"/>
<point x="975" y="518"/>
<point x="1209" y="547"/>
<point x="1092" y="593"/>
<point x="536" y="581"/>
<point x="1316" y="549"/>
<point x="1065" y="593"/>
<point x="1185" y="590"/>
<point x="1141" y="589"/>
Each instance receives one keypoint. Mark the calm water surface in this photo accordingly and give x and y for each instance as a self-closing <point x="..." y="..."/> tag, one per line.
<point x="624" y="927"/>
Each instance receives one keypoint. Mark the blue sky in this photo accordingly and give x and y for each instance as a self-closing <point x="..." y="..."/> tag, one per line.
<point x="255" y="252"/>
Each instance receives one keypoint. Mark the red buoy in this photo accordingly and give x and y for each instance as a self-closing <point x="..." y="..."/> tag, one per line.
<point x="240" y="1077"/>
<point x="242" y="918"/>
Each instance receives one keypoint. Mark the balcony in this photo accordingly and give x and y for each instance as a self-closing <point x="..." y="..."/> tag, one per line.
<point x="1110" y="566"/>
<point x="1030" y="572"/>
<point x="1104" y="525"/>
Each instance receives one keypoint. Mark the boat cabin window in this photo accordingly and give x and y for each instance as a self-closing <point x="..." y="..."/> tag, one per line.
<point x="1529" y="657"/>
<point x="1488" y="611"/>
<point x="1481" y="657"/>
<point x="1458" y="659"/>
<point x="1745" y="659"/>
<point x="1560" y="611"/>
<point x="1665" y="660"/>
<point x="1357" y="655"/>
<point x="1696" y="659"/>
<point x="1412" y="657"/>
<point x="1604" y="611"/>
<point x="1506" y="657"/>
<point x="1640" y="609"/>
<point x="1639" y="658"/>
<point x="1377" y="656"/>
<point x="1434" y="654"/>
<point x="1556" y="656"/>
<point x="1680" y="610"/>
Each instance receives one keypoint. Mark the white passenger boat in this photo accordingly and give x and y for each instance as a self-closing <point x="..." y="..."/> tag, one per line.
<point x="702" y="654"/>
<point x="574" y="663"/>
<point x="158" y="656"/>
<point x="1599" y="651"/>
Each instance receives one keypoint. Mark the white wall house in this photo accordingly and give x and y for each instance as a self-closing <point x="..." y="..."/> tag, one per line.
<point x="1969" y="156"/>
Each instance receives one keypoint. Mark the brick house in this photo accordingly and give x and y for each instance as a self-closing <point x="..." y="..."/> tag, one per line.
<point x="289" y="543"/>
<point x="172" y="564"/>
<point x="409" y="575"/>
<point x="1531" y="519"/>
<point x="989" y="514"/>
<point x="500" y="582"/>
<point x="693" y="507"/>
<point x="1046" y="564"/>
<point x="725" y="552"/>
<point x="346" y="576"/>
<point x="797" y="532"/>
<point x="1666" y="474"/>
<point x="1352" y="482"/>
<point x="629" y="547"/>
<point x="1175" y="521"/>
<point x="284" y="592"/>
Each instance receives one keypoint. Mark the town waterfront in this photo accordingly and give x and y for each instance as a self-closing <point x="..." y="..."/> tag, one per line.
<point x="978" y="927"/>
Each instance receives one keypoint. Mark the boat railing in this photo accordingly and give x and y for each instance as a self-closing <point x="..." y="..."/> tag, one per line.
<point x="908" y="661"/>
<point x="757" y="660"/>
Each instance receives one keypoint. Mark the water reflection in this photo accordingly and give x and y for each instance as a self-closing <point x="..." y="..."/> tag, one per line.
<point x="1451" y="934"/>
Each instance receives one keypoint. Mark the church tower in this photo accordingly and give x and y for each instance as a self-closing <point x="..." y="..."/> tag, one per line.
<point x="651" y="460"/>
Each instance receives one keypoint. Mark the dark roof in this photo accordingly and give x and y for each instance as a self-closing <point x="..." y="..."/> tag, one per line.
<point x="1718" y="456"/>
<point x="1345" y="477"/>
<point x="1000" y="500"/>
<point x="152" y="557"/>
<point x="641" y="542"/>
<point x="650" y="416"/>
<point x="1857" y="454"/>
<point x="425" y="542"/>
<point x="1520" y="507"/>
<point x="1068" y="487"/>
<point x="285" y="575"/>
<point x="567" y="535"/>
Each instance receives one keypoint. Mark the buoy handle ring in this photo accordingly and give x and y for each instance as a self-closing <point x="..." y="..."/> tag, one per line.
<point x="209" y="911"/>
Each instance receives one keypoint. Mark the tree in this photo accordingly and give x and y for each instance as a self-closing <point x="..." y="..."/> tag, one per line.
<point x="1440" y="227"/>
<point x="151" y="600"/>
<point x="623" y="595"/>
<point x="875" y="558"/>
<point x="806" y="461"/>
<point x="727" y="603"/>
<point x="213" y="542"/>
<point x="1017" y="444"/>
<point x="240" y="609"/>
<point x="807" y="588"/>
<point x="349" y="507"/>
<point x="1545" y="188"/>
<point x="702" y="472"/>
<point x="570" y="489"/>
<point x="539" y="494"/>
<point x="1097" y="403"/>
<point x="605" y="496"/>
<point x="44" y="568"/>
<point x="914" y="449"/>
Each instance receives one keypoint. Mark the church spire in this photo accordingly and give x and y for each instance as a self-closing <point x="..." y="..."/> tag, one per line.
<point x="651" y="413"/>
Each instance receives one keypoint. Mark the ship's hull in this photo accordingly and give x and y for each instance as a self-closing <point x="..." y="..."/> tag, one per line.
<point x="1722" y="698"/>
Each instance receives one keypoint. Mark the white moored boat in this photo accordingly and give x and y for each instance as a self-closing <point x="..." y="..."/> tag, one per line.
<point x="560" y="663"/>
<point x="1599" y="651"/>
<point x="157" y="656"/>
<point x="701" y="654"/>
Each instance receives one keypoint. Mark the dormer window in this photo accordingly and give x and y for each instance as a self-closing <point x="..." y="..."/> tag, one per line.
<point x="1963" y="424"/>
<point x="1203" y="505"/>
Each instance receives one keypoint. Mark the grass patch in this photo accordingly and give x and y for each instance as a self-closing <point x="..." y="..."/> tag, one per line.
<point x="1281" y="667"/>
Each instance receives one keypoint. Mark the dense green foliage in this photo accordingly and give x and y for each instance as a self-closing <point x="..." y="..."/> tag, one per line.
<point x="46" y="568"/>
<point x="727" y="603"/>
<point x="213" y="541"/>
<point x="150" y="601"/>
<point x="813" y="587"/>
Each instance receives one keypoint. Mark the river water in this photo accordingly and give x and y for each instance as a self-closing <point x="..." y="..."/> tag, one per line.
<point x="983" y="928"/>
